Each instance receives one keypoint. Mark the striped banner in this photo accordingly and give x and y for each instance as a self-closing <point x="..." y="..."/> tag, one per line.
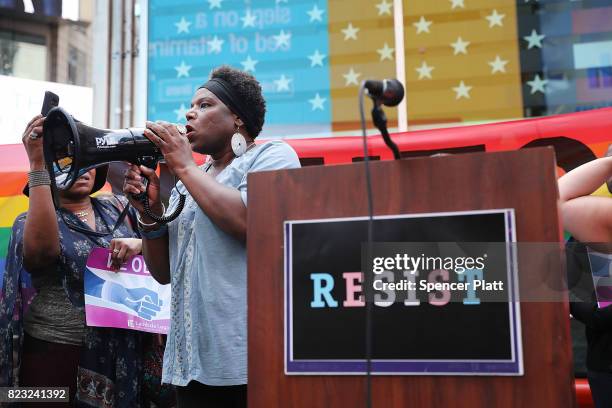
<point x="362" y="46"/>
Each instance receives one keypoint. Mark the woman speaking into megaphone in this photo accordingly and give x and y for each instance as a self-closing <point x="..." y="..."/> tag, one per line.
<point x="203" y="252"/>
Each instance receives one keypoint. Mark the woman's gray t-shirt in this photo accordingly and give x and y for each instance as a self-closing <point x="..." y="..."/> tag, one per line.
<point x="207" y="341"/>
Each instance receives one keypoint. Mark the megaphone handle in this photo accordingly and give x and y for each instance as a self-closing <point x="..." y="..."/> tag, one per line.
<point x="142" y="197"/>
<point x="152" y="164"/>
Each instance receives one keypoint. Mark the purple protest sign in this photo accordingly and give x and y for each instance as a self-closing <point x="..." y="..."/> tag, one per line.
<point x="127" y="299"/>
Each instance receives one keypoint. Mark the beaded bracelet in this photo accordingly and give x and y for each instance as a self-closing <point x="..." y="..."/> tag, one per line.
<point x="38" y="178"/>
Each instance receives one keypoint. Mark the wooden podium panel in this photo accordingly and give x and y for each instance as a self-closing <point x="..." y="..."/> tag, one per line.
<point x="522" y="180"/>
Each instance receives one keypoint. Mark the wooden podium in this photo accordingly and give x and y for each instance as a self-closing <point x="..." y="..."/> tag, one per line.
<point x="522" y="180"/>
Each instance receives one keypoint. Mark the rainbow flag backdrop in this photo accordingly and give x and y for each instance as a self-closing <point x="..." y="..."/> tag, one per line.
<point x="13" y="176"/>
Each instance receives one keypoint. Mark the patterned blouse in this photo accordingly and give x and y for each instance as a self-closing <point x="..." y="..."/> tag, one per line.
<point x="110" y="370"/>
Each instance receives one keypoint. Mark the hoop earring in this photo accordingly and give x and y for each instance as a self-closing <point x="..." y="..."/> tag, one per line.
<point x="239" y="144"/>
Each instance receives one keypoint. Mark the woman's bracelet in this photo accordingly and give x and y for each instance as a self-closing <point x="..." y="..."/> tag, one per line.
<point x="38" y="178"/>
<point x="156" y="233"/>
<point x="153" y="224"/>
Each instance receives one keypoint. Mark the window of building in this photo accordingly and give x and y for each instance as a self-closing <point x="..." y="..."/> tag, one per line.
<point x="23" y="55"/>
<point x="77" y="67"/>
<point x="600" y="77"/>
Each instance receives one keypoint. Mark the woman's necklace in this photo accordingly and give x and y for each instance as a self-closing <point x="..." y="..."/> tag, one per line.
<point x="82" y="215"/>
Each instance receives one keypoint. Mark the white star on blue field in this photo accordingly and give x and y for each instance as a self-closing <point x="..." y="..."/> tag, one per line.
<point x="284" y="44"/>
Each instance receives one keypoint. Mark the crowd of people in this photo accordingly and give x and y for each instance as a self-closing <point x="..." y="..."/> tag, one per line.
<point x="202" y="254"/>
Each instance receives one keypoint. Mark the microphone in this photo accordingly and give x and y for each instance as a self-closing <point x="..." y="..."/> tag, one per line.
<point x="389" y="92"/>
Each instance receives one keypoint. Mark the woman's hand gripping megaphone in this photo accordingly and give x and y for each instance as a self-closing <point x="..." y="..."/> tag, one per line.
<point x="136" y="190"/>
<point x="171" y="141"/>
<point x="142" y="184"/>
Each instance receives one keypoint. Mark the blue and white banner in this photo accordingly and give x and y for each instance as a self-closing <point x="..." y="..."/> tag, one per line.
<point x="283" y="44"/>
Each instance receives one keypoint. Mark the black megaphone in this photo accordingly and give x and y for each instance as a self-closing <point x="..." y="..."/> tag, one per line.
<point x="72" y="148"/>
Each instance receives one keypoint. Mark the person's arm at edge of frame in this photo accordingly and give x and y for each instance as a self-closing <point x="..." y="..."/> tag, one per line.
<point x="41" y="246"/>
<point x="588" y="218"/>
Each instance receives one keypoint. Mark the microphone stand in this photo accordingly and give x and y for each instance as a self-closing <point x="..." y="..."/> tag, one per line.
<point x="380" y="121"/>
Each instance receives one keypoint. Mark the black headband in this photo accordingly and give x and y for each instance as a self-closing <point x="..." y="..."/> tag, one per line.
<point x="227" y="95"/>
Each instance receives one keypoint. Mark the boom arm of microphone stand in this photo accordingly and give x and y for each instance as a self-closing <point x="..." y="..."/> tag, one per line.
<point x="380" y="121"/>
